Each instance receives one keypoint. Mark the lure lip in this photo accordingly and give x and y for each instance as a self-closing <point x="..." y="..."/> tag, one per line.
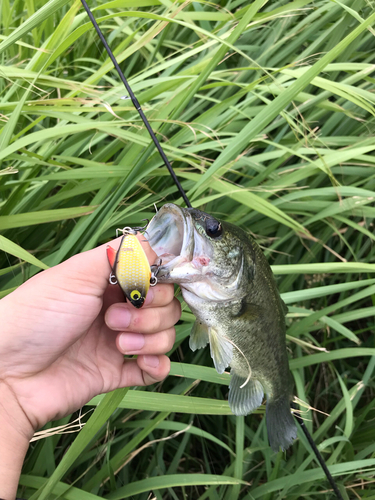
<point x="137" y="303"/>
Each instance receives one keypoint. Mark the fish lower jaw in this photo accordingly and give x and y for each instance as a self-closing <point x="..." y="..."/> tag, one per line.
<point x="200" y="292"/>
<point x="184" y="269"/>
<point x="179" y="270"/>
<point x="174" y="261"/>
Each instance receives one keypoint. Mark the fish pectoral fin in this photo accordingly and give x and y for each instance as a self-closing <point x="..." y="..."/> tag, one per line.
<point x="246" y="399"/>
<point x="245" y="310"/>
<point x="221" y="350"/>
<point x="198" y="336"/>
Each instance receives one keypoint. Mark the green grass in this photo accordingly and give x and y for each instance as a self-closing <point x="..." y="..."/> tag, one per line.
<point x="266" y="110"/>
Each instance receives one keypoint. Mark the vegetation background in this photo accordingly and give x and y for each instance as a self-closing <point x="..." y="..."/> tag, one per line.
<point x="266" y="110"/>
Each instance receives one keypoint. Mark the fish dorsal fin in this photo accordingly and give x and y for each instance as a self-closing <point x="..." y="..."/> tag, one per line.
<point x="198" y="336"/>
<point x="246" y="399"/>
<point x="221" y="349"/>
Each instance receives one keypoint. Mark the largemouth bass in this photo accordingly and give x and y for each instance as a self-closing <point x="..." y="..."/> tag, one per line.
<point x="229" y="286"/>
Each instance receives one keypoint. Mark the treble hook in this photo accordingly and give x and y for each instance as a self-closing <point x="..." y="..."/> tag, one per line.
<point x="144" y="227"/>
<point x="133" y="230"/>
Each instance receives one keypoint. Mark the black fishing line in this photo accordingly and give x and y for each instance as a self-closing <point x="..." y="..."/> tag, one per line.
<point x="136" y="104"/>
<point x="317" y="452"/>
<point x="188" y="204"/>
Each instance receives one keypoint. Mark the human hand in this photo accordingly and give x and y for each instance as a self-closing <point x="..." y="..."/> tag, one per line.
<point x="64" y="333"/>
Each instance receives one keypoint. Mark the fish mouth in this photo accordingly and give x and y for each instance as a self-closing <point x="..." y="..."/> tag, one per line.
<point x="172" y="236"/>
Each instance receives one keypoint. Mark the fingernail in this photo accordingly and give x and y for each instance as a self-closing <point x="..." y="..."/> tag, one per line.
<point x="131" y="342"/>
<point x="149" y="297"/>
<point x="152" y="361"/>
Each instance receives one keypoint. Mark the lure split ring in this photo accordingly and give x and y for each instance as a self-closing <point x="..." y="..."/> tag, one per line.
<point x="112" y="279"/>
<point x="154" y="272"/>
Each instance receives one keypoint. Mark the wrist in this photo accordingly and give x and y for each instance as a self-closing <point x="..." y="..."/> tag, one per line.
<point x="15" y="434"/>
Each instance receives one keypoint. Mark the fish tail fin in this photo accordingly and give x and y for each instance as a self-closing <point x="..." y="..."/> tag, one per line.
<point x="244" y="397"/>
<point x="281" y="426"/>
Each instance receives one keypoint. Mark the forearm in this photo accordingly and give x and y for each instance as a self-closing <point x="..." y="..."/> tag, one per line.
<point x="15" y="433"/>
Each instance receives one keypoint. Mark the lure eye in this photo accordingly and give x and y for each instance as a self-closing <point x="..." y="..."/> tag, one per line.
<point x="213" y="228"/>
<point x="135" y="295"/>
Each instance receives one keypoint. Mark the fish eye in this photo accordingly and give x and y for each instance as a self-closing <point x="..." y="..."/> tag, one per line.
<point x="213" y="228"/>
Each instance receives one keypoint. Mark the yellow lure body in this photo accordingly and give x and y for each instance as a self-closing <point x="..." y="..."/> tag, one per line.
<point x="131" y="269"/>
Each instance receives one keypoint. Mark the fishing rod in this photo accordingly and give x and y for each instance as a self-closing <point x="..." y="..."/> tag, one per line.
<point x="136" y="104"/>
<point x="188" y="204"/>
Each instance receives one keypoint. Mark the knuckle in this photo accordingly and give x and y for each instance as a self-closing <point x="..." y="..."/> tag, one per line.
<point x="166" y="340"/>
<point x="169" y="293"/>
<point x="136" y="321"/>
<point x="171" y="336"/>
<point x="148" y="320"/>
<point x="157" y="319"/>
<point x="164" y="368"/>
<point x="166" y="293"/>
<point x="177" y="309"/>
<point x="157" y="374"/>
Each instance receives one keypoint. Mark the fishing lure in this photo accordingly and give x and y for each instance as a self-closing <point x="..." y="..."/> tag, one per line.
<point x="130" y="267"/>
